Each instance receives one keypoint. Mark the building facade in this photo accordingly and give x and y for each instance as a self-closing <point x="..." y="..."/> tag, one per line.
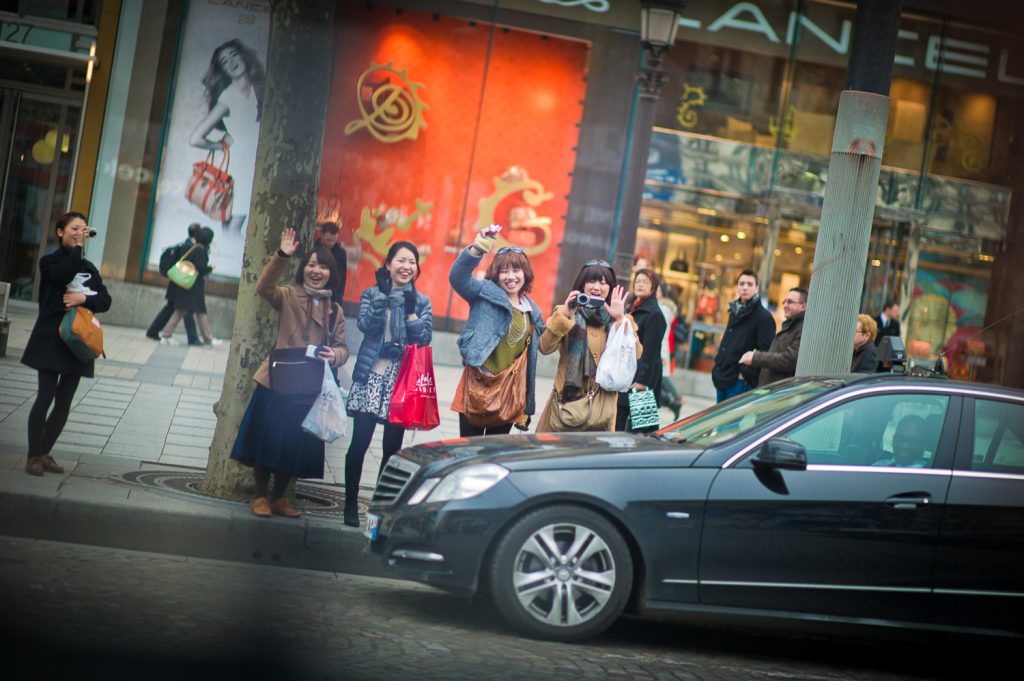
<point x="447" y="116"/>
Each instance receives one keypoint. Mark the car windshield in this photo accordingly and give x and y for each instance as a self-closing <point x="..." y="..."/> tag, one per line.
<point x="741" y="414"/>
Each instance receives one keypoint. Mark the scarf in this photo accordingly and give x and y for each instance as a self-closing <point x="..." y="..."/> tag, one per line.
<point x="581" y="367"/>
<point x="317" y="292"/>
<point x="738" y="309"/>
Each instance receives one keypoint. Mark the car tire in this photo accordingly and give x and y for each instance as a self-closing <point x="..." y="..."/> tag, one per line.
<point x="561" y="573"/>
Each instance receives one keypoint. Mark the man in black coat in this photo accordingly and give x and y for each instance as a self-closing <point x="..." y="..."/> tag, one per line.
<point x="164" y="315"/>
<point x="889" y="321"/>
<point x="329" y="240"/>
<point x="750" y="327"/>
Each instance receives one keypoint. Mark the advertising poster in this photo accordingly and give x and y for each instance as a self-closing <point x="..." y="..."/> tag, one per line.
<point x="439" y="126"/>
<point x="218" y="92"/>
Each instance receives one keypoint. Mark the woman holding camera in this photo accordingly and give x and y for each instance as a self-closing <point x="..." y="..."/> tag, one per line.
<point x="392" y="314"/>
<point x="58" y="368"/>
<point x="270" y="438"/>
<point x="579" y="329"/>
<point x="500" y="338"/>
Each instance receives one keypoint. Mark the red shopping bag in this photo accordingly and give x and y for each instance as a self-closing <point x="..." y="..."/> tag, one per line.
<point x="414" y="399"/>
<point x="212" y="188"/>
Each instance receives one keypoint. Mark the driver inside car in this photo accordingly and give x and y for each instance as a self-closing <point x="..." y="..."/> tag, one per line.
<point x="908" y="445"/>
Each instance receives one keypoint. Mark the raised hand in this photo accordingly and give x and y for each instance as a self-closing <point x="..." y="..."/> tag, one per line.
<point x="617" y="307"/>
<point x="289" y="242"/>
<point x="383" y="278"/>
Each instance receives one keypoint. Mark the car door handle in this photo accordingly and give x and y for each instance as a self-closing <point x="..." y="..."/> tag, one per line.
<point x="909" y="501"/>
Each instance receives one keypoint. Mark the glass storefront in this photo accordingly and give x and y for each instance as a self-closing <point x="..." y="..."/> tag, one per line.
<point x="740" y="159"/>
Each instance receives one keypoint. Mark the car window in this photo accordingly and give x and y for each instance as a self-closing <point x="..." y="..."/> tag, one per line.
<point x="741" y="414"/>
<point x="880" y="430"/>
<point x="998" y="437"/>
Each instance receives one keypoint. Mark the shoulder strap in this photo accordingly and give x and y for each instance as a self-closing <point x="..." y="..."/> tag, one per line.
<point x="188" y="252"/>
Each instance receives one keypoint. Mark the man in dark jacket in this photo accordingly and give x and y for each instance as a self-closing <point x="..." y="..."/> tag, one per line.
<point x="750" y="327"/>
<point x="164" y="315"/>
<point x="889" y="321"/>
<point x="779" y="361"/>
<point x="329" y="240"/>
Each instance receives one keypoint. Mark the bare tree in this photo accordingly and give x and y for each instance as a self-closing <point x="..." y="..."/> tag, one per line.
<point x="285" y="190"/>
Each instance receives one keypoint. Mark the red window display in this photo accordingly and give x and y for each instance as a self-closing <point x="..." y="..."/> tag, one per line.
<point x="438" y="126"/>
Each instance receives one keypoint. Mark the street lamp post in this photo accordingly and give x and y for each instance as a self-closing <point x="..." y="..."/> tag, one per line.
<point x="659" y="22"/>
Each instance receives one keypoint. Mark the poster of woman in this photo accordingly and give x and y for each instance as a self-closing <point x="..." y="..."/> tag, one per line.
<point x="209" y="155"/>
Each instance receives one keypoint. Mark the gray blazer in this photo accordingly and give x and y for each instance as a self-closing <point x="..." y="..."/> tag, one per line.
<point x="490" y="315"/>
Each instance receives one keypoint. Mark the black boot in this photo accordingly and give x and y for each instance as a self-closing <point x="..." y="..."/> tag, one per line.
<point x="351" y="504"/>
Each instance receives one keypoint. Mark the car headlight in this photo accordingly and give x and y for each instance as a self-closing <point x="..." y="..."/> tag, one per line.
<point x="462" y="483"/>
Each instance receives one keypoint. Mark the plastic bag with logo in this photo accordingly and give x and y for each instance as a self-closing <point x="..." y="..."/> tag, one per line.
<point x="326" y="418"/>
<point x="414" y="399"/>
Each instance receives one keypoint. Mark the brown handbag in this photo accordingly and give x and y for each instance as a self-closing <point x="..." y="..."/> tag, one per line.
<point x="489" y="401"/>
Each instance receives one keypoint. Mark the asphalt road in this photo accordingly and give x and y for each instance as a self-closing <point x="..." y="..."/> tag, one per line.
<point x="80" y="612"/>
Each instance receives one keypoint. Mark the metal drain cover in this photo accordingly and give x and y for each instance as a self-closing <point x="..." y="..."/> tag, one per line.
<point x="311" y="499"/>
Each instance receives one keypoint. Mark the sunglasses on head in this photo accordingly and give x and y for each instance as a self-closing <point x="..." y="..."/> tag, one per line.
<point x="510" y="249"/>
<point x="601" y="263"/>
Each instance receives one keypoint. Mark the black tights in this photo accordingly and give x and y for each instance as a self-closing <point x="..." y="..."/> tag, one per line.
<point x="362" y="432"/>
<point x="467" y="429"/>
<point x="58" y="389"/>
<point x="262" y="475"/>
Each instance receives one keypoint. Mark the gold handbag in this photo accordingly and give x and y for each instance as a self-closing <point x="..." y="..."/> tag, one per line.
<point x="489" y="401"/>
<point x="582" y="414"/>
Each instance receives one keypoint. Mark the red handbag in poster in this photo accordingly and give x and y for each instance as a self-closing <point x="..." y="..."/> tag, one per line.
<point x="414" y="399"/>
<point x="212" y="189"/>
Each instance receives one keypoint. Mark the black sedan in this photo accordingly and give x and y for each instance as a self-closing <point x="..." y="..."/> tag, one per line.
<point x="883" y="500"/>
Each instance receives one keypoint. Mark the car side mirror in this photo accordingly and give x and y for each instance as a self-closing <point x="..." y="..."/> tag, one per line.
<point x="783" y="454"/>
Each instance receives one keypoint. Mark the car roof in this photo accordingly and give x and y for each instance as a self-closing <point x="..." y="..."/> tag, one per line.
<point x="935" y="380"/>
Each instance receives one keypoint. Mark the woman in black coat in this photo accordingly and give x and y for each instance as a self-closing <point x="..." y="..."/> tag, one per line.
<point x="865" y="357"/>
<point x="59" y="369"/>
<point x="193" y="299"/>
<point x="651" y="329"/>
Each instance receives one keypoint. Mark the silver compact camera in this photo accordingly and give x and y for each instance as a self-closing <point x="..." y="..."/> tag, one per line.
<point x="584" y="300"/>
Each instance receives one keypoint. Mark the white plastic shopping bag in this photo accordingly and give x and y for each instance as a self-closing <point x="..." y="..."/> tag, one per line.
<point x="617" y="367"/>
<point x="326" y="418"/>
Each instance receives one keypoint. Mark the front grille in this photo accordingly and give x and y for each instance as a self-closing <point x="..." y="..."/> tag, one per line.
<point x="393" y="480"/>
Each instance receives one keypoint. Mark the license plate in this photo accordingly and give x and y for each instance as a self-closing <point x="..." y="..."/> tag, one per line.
<point x="372" y="526"/>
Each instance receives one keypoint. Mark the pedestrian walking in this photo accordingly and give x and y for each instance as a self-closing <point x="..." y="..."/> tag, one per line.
<point x="578" y="330"/>
<point x="651" y="327"/>
<point x="750" y="327"/>
<point x="58" y="369"/>
<point x="329" y="240"/>
<point x="779" y="361"/>
<point x="670" y="395"/>
<point x="193" y="300"/>
<point x="167" y="260"/>
<point x="888" y="321"/>
<point x="500" y="340"/>
<point x="392" y="314"/>
<point x="865" y="355"/>
<point x="270" y="438"/>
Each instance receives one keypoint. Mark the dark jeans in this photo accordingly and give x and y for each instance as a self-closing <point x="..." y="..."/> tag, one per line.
<point x="58" y="389"/>
<point x="164" y="315"/>
<point x="363" y="426"/>
<point x="467" y="429"/>
<point x="737" y="388"/>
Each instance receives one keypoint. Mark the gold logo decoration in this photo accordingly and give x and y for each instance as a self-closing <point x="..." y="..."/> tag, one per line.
<point x="378" y="226"/>
<point x="516" y="180"/>
<point x="788" y="128"/>
<point x="390" y="107"/>
<point x="693" y="96"/>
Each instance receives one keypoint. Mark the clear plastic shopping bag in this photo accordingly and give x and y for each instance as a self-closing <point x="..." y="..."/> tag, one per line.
<point x="617" y="367"/>
<point x="326" y="418"/>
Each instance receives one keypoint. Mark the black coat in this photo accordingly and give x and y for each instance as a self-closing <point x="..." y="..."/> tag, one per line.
<point x="171" y="287"/>
<point x="45" y="350"/>
<point x="865" y="360"/>
<point x="892" y="330"/>
<point x="193" y="299"/>
<point x="651" y="328"/>
<point x="751" y="328"/>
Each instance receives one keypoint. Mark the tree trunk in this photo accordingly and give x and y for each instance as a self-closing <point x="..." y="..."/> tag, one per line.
<point x="285" y="189"/>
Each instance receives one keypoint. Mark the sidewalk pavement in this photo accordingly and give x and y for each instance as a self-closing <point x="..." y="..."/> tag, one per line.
<point x="137" y="442"/>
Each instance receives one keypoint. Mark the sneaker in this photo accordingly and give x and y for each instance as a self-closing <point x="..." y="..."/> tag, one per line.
<point x="214" y="342"/>
<point x="166" y="340"/>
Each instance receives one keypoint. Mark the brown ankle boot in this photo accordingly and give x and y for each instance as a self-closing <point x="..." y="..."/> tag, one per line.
<point x="51" y="466"/>
<point x="261" y="507"/>
<point x="34" y="465"/>
<point x="282" y="507"/>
